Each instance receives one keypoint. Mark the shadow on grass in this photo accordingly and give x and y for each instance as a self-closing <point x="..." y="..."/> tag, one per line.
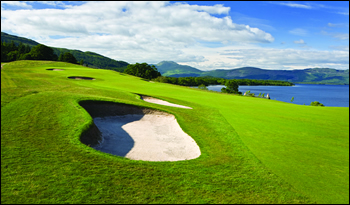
<point x="81" y="78"/>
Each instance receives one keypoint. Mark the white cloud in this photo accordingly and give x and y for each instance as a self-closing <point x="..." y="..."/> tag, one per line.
<point x="301" y="41"/>
<point x="55" y="3"/>
<point x="271" y="58"/>
<point x="339" y="36"/>
<point x="298" y="32"/>
<point x="336" y="25"/>
<point x="216" y="9"/>
<point x="312" y="5"/>
<point x="132" y="31"/>
<point x="176" y="22"/>
<point x="16" y="3"/>
<point x="155" y="31"/>
<point x="340" y="48"/>
<point x="295" y="5"/>
<point x="343" y="13"/>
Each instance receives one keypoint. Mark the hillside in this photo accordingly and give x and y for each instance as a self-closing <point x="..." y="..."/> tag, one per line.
<point x="16" y="39"/>
<point x="90" y="59"/>
<point x="172" y="69"/>
<point x="310" y="75"/>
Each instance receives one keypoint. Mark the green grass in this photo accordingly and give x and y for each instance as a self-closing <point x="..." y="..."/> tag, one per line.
<point x="253" y="150"/>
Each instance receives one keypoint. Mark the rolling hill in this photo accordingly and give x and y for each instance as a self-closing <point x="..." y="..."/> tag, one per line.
<point x="173" y="69"/>
<point x="309" y="75"/>
<point x="90" y="59"/>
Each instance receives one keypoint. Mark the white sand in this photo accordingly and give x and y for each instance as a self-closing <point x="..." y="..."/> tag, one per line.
<point x="150" y="137"/>
<point x="162" y="102"/>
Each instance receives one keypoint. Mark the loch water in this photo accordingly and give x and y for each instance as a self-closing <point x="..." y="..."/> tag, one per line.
<point x="328" y="95"/>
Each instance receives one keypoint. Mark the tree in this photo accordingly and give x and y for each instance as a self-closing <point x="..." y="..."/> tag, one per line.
<point x="161" y="79"/>
<point x="231" y="87"/>
<point x="42" y="52"/>
<point x="81" y="62"/>
<point x="67" y="57"/>
<point x="316" y="103"/>
<point x="203" y="87"/>
<point x="26" y="56"/>
<point x="142" y="70"/>
<point x="60" y="57"/>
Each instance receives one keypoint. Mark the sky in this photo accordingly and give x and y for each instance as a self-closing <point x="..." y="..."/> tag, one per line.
<point x="207" y="35"/>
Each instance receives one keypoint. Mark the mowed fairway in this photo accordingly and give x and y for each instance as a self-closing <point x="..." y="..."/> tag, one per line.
<point x="253" y="150"/>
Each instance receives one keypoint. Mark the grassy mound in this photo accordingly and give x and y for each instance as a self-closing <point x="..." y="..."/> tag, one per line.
<point x="253" y="150"/>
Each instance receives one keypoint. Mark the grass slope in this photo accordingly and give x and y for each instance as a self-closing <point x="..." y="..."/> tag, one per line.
<point x="253" y="150"/>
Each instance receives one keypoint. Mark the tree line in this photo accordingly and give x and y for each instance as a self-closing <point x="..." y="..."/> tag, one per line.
<point x="208" y="80"/>
<point x="12" y="52"/>
<point x="150" y="72"/>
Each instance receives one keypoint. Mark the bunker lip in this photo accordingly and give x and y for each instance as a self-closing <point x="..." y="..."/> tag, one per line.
<point x="137" y="133"/>
<point x="55" y="69"/>
<point x="81" y="78"/>
<point x="161" y="102"/>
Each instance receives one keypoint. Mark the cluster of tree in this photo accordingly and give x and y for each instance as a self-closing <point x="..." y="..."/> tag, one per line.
<point x="191" y="81"/>
<point x="94" y="60"/>
<point x="11" y="52"/>
<point x="231" y="87"/>
<point x="263" y="82"/>
<point x="69" y="58"/>
<point x="208" y="80"/>
<point x="142" y="70"/>
<point x="87" y="58"/>
<point x="316" y="103"/>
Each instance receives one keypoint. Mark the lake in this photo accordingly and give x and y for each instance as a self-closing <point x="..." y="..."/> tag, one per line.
<point x="328" y="95"/>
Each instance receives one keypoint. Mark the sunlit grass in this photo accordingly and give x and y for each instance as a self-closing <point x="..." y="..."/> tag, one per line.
<point x="253" y="150"/>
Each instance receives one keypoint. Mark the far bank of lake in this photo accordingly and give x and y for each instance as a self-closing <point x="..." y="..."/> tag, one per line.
<point x="328" y="95"/>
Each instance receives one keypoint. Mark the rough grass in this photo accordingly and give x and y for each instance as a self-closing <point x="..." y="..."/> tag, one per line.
<point x="253" y="150"/>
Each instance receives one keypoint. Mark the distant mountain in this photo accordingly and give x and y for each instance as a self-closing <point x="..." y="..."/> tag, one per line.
<point x="91" y="59"/>
<point x="310" y="75"/>
<point x="172" y="69"/>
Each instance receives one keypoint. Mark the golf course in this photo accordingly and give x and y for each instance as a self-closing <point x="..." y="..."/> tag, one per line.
<point x="252" y="150"/>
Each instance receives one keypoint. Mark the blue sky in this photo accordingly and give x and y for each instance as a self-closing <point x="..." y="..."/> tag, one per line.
<point x="292" y="21"/>
<point x="203" y="34"/>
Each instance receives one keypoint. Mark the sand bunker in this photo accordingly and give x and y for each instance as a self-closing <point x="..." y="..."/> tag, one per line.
<point x="81" y="78"/>
<point x="55" y="69"/>
<point x="137" y="133"/>
<point x="161" y="102"/>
